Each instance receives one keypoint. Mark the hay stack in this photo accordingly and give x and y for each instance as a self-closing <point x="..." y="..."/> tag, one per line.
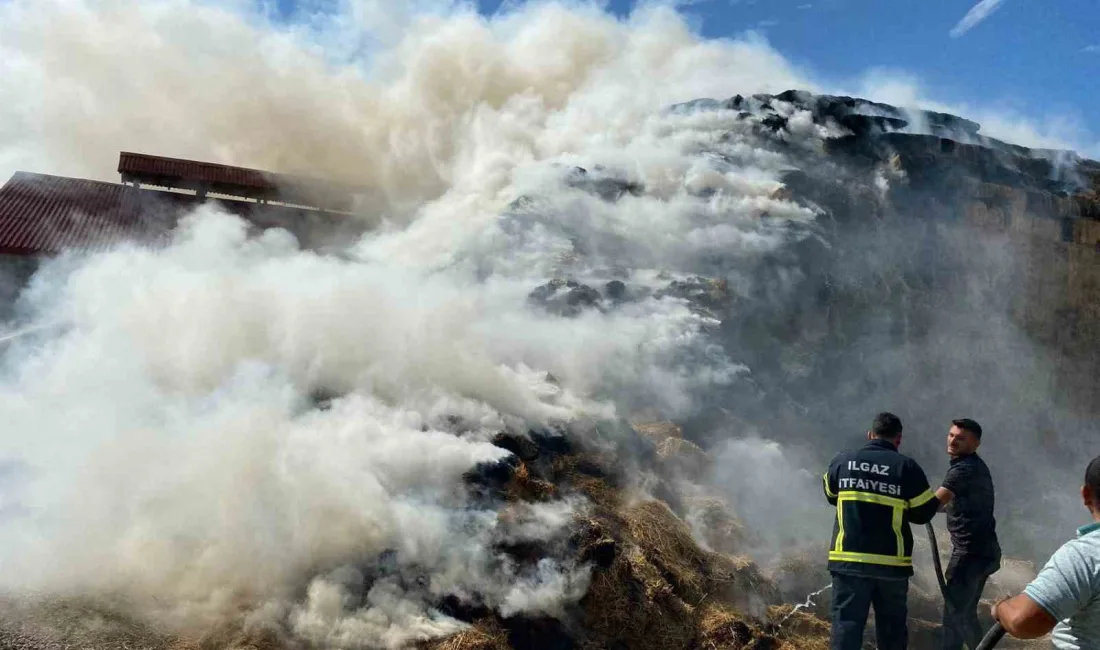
<point x="659" y="431"/>
<point x="722" y="629"/>
<point x="683" y="456"/>
<point x="663" y="591"/>
<point x="484" y="635"/>
<point x="712" y="519"/>
<point x="802" y="631"/>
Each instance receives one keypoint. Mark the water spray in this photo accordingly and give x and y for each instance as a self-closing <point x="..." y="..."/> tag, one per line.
<point x="17" y="334"/>
<point x="809" y="602"/>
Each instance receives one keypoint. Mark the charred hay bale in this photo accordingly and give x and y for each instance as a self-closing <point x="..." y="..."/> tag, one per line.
<point x="801" y="631"/>
<point x="713" y="521"/>
<point x="588" y="474"/>
<point x="522" y="446"/>
<point x="692" y="572"/>
<point x="525" y="487"/>
<point x="738" y="581"/>
<point x="593" y="543"/>
<point x="667" y="542"/>
<point x="492" y="478"/>
<point x="800" y="573"/>
<point x="720" y="628"/>
<point x="632" y="606"/>
<point x="684" y="456"/>
<point x="487" y="634"/>
<point x="658" y="432"/>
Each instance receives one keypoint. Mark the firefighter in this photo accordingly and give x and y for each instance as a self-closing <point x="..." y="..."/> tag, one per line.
<point x="878" y="493"/>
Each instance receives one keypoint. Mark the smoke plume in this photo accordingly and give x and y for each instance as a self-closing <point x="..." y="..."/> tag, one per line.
<point x="233" y="430"/>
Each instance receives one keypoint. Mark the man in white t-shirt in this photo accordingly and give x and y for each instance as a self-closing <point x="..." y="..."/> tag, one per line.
<point x="1064" y="599"/>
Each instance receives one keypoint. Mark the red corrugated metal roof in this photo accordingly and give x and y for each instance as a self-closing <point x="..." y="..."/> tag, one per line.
<point x="235" y="181"/>
<point x="192" y="170"/>
<point x="48" y="214"/>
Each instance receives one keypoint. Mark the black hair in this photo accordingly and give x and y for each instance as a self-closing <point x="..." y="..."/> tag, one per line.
<point x="966" y="424"/>
<point x="886" y="425"/>
<point x="1092" y="478"/>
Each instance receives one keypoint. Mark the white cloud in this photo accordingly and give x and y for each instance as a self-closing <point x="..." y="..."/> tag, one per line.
<point x="806" y="6"/>
<point x="976" y="15"/>
<point x="1091" y="49"/>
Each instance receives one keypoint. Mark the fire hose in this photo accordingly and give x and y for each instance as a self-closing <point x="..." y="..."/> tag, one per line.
<point x="995" y="633"/>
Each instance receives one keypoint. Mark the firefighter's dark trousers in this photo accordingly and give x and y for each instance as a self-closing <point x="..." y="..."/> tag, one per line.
<point x="853" y="596"/>
<point x="966" y="576"/>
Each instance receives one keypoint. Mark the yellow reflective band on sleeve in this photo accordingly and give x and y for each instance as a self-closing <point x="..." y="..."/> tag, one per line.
<point x="899" y="514"/>
<point x="867" y="497"/>
<point x="828" y="492"/>
<point x="870" y="558"/>
<point x="924" y="498"/>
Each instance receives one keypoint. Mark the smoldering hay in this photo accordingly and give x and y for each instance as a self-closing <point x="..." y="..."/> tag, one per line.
<point x="166" y="444"/>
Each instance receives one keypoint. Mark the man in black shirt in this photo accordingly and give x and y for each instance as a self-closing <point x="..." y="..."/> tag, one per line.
<point x="967" y="497"/>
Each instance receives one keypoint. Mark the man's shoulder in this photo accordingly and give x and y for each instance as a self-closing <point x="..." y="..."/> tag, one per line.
<point x="1083" y="550"/>
<point x="907" y="462"/>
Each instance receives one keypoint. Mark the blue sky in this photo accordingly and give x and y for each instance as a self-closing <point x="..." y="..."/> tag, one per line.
<point x="1037" y="58"/>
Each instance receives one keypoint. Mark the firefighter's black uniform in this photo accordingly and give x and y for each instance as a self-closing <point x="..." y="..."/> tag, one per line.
<point x="877" y="492"/>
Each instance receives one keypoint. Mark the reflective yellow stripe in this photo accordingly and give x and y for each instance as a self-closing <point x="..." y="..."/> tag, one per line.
<point x="828" y="492"/>
<point x="898" y="506"/>
<point x="919" y="501"/>
<point x="898" y="515"/>
<point x="867" y="497"/>
<point x="839" y="546"/>
<point x="870" y="558"/>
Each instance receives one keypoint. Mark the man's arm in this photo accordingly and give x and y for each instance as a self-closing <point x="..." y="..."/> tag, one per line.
<point x="1061" y="589"/>
<point x="944" y="496"/>
<point x="919" y="497"/>
<point x="954" y="482"/>
<point x="1023" y="618"/>
<point x="829" y="484"/>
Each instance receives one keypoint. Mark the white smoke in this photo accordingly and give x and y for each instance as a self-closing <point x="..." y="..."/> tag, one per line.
<point x="168" y="449"/>
<point x="164" y="446"/>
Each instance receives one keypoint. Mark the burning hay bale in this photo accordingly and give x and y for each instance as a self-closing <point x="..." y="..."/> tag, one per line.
<point x="632" y="605"/>
<point x="683" y="456"/>
<point x="663" y="590"/>
<point x="658" y="432"/>
<point x="800" y="629"/>
<point x="714" y="522"/>
<point x="484" y="635"/>
<point x="720" y="628"/>
<point x="801" y="573"/>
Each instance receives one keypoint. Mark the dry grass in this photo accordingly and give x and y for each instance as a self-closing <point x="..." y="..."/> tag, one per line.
<point x="802" y="631"/>
<point x="484" y="635"/>
<point x="683" y="456"/>
<point x="653" y="587"/>
<point x="720" y="628"/>
<point x="658" y="431"/>
<point x="524" y="487"/>
<point x="587" y="475"/>
<point x="667" y="543"/>
<point x="721" y="530"/>
<point x="631" y="605"/>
